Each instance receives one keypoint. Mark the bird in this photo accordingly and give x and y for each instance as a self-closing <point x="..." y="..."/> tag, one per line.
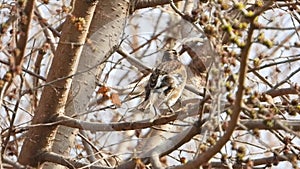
<point x="165" y="84"/>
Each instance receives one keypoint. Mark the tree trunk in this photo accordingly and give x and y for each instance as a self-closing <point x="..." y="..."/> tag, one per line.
<point x="54" y="96"/>
<point x="105" y="31"/>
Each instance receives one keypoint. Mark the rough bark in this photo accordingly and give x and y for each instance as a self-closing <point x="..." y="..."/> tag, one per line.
<point x="54" y="96"/>
<point x="105" y="31"/>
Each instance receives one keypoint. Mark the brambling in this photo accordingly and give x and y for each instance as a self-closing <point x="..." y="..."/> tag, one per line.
<point x="165" y="84"/>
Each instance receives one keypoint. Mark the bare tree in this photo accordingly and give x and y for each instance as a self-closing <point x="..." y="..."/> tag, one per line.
<point x="74" y="76"/>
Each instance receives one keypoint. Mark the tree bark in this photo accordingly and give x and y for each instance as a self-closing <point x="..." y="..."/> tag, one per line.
<point x="54" y="96"/>
<point x="105" y="31"/>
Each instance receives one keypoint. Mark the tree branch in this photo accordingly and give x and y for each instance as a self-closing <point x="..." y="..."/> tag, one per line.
<point x="68" y="162"/>
<point x="151" y="3"/>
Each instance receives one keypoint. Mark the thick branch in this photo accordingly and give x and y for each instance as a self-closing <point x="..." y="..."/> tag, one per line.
<point x="123" y="126"/>
<point x="62" y="160"/>
<point x="25" y="28"/>
<point x="191" y="108"/>
<point x="151" y="3"/>
<point x="282" y="92"/>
